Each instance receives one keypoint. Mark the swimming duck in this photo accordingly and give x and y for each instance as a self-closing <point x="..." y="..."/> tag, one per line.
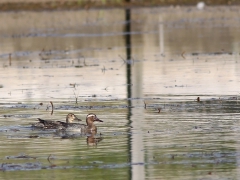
<point x="82" y="128"/>
<point x="48" y="124"/>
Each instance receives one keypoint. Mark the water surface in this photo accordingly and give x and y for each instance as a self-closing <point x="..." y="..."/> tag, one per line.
<point x="140" y="71"/>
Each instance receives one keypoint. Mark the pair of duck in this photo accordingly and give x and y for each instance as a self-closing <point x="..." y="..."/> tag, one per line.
<point x="69" y="125"/>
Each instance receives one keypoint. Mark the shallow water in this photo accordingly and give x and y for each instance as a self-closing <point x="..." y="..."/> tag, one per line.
<point x="125" y="73"/>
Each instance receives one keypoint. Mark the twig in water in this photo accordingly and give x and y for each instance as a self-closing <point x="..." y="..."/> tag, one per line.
<point x="49" y="159"/>
<point x="47" y="108"/>
<point x="237" y="98"/>
<point x="10" y="59"/>
<point x="122" y="59"/>
<point x="105" y="88"/>
<point x="40" y="54"/>
<point x="183" y="55"/>
<point x="127" y="61"/>
<point x="198" y="99"/>
<point x="52" y="107"/>
<point x="159" y="110"/>
<point x="145" y="105"/>
<point x="133" y="61"/>
<point x="84" y="62"/>
<point x="76" y="95"/>
<point x="52" y="165"/>
<point x="103" y="69"/>
<point x="220" y="100"/>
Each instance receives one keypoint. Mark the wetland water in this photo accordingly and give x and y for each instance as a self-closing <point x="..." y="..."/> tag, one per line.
<point x="115" y="62"/>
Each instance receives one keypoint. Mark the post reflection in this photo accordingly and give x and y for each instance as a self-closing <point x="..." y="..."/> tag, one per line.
<point x="135" y="115"/>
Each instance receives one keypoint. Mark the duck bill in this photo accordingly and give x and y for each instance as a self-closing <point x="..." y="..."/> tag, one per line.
<point x="77" y="119"/>
<point x="99" y="120"/>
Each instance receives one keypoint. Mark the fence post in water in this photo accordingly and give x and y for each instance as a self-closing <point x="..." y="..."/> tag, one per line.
<point x="134" y="116"/>
<point x="128" y="52"/>
<point x="128" y="78"/>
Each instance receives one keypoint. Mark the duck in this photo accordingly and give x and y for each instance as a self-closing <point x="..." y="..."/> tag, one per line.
<point x="48" y="124"/>
<point x="89" y="127"/>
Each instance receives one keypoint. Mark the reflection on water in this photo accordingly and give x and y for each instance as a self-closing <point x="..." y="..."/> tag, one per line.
<point x="125" y="66"/>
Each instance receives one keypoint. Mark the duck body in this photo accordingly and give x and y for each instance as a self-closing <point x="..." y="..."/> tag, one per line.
<point x="48" y="124"/>
<point x="89" y="127"/>
<point x="76" y="127"/>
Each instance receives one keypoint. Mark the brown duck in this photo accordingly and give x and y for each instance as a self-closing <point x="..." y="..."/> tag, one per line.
<point x="48" y="124"/>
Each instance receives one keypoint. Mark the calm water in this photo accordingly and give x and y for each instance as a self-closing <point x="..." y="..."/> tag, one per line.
<point x="125" y="66"/>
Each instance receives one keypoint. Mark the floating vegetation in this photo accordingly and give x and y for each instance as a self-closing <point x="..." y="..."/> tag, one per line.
<point x="183" y="55"/>
<point x="18" y="167"/>
<point x="52" y="107"/>
<point x="21" y="156"/>
<point x="212" y="53"/>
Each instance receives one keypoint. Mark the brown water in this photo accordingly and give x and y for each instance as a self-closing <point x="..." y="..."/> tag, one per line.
<point x="163" y="58"/>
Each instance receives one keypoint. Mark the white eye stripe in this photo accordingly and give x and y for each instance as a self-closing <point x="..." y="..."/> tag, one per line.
<point x="91" y="115"/>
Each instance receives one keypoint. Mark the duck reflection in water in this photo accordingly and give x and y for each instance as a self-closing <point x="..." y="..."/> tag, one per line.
<point x="92" y="140"/>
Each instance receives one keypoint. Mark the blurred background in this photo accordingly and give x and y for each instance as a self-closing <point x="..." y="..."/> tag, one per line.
<point x="86" y="4"/>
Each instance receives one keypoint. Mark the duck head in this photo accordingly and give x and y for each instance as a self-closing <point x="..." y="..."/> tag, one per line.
<point x="92" y="118"/>
<point x="71" y="117"/>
